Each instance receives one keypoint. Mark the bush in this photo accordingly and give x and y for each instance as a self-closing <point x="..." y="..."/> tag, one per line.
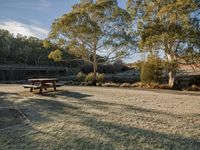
<point x="193" y="88"/>
<point x="125" y="85"/>
<point x="99" y="78"/>
<point x="151" y="70"/>
<point x="110" y="85"/>
<point x="89" y="77"/>
<point x="81" y="76"/>
<point x="151" y="86"/>
<point x="146" y="75"/>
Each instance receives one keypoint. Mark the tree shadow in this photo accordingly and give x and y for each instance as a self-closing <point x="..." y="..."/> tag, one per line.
<point x="166" y="91"/>
<point x="75" y="141"/>
<point x="50" y="109"/>
<point x="5" y="99"/>
<point x="44" y="110"/>
<point x="65" y="93"/>
<point x="136" y="138"/>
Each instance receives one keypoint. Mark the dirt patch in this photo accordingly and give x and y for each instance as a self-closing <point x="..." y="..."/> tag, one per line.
<point x="10" y="117"/>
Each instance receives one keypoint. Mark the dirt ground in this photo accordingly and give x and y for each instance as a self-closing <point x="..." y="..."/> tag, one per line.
<point x="102" y="118"/>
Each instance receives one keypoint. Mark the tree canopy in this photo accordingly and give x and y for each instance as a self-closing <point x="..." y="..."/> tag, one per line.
<point x="171" y="26"/>
<point x="94" y="27"/>
<point x="24" y="50"/>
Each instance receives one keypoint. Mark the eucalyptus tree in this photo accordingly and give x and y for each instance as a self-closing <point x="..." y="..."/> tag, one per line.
<point x="24" y="50"/>
<point x="5" y="40"/>
<point x="169" y="25"/>
<point x="94" y="28"/>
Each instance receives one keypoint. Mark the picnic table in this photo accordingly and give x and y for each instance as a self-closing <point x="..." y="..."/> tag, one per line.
<point x="42" y="83"/>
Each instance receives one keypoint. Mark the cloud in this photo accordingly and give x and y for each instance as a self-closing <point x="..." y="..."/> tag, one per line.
<point x="42" y="5"/>
<point x="24" y="29"/>
<point x="45" y="3"/>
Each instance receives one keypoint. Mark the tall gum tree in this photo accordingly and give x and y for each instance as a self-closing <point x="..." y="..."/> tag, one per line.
<point x="94" y="28"/>
<point x="169" y="25"/>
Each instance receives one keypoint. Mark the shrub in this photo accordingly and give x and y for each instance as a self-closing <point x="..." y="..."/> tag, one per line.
<point x="151" y="70"/>
<point x="81" y="76"/>
<point x="125" y="85"/>
<point x="99" y="77"/>
<point x="146" y="75"/>
<point x="110" y="85"/>
<point x="193" y="88"/>
<point x="89" y="77"/>
<point x="138" y="65"/>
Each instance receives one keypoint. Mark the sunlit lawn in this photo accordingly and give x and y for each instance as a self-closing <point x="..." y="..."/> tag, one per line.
<point x="102" y="118"/>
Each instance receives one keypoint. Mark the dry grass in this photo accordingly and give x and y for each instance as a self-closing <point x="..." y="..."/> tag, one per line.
<point x="103" y="118"/>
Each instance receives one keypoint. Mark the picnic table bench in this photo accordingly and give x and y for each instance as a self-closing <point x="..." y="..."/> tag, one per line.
<point x="43" y="83"/>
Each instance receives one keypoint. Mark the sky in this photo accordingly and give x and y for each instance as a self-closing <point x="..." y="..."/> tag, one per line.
<point x="34" y="17"/>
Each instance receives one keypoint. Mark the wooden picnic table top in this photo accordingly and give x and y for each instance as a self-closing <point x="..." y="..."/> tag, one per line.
<point x="43" y="80"/>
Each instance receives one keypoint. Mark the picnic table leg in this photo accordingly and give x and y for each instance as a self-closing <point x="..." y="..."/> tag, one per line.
<point x="54" y="86"/>
<point x="41" y="87"/>
<point x="31" y="89"/>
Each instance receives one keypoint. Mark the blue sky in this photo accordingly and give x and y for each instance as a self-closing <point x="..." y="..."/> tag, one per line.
<point x="34" y="17"/>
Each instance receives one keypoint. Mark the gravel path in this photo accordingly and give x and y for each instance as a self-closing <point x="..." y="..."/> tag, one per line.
<point x="103" y="118"/>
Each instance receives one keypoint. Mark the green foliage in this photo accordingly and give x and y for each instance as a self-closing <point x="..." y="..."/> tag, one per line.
<point x="94" y="27"/>
<point x="46" y="44"/>
<point x="89" y="77"/>
<point x="99" y="77"/>
<point x="56" y="55"/>
<point x="26" y="50"/>
<point x="171" y="66"/>
<point x="172" y="26"/>
<point x="138" y="65"/>
<point x="22" y="49"/>
<point x="151" y="70"/>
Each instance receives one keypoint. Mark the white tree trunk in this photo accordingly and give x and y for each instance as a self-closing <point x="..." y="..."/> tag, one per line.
<point x="171" y="79"/>
<point x="171" y="73"/>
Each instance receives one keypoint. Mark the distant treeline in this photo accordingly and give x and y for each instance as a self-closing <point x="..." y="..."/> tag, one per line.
<point x="24" y="50"/>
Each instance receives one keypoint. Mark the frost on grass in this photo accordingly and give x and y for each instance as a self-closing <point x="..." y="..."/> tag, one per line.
<point x="103" y="118"/>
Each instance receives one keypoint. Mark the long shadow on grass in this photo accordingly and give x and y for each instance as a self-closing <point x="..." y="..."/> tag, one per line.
<point x="144" y="114"/>
<point x="64" y="93"/>
<point x="44" y="110"/>
<point x="63" y="107"/>
<point x="174" y="92"/>
<point x="5" y="99"/>
<point x="122" y="136"/>
<point x="116" y="135"/>
<point x="136" y="138"/>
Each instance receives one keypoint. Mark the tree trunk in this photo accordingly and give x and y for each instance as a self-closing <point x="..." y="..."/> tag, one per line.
<point x="94" y="81"/>
<point x="171" y="71"/>
<point x="171" y="79"/>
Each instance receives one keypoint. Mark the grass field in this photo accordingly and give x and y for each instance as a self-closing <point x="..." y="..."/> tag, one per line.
<point x="102" y="118"/>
